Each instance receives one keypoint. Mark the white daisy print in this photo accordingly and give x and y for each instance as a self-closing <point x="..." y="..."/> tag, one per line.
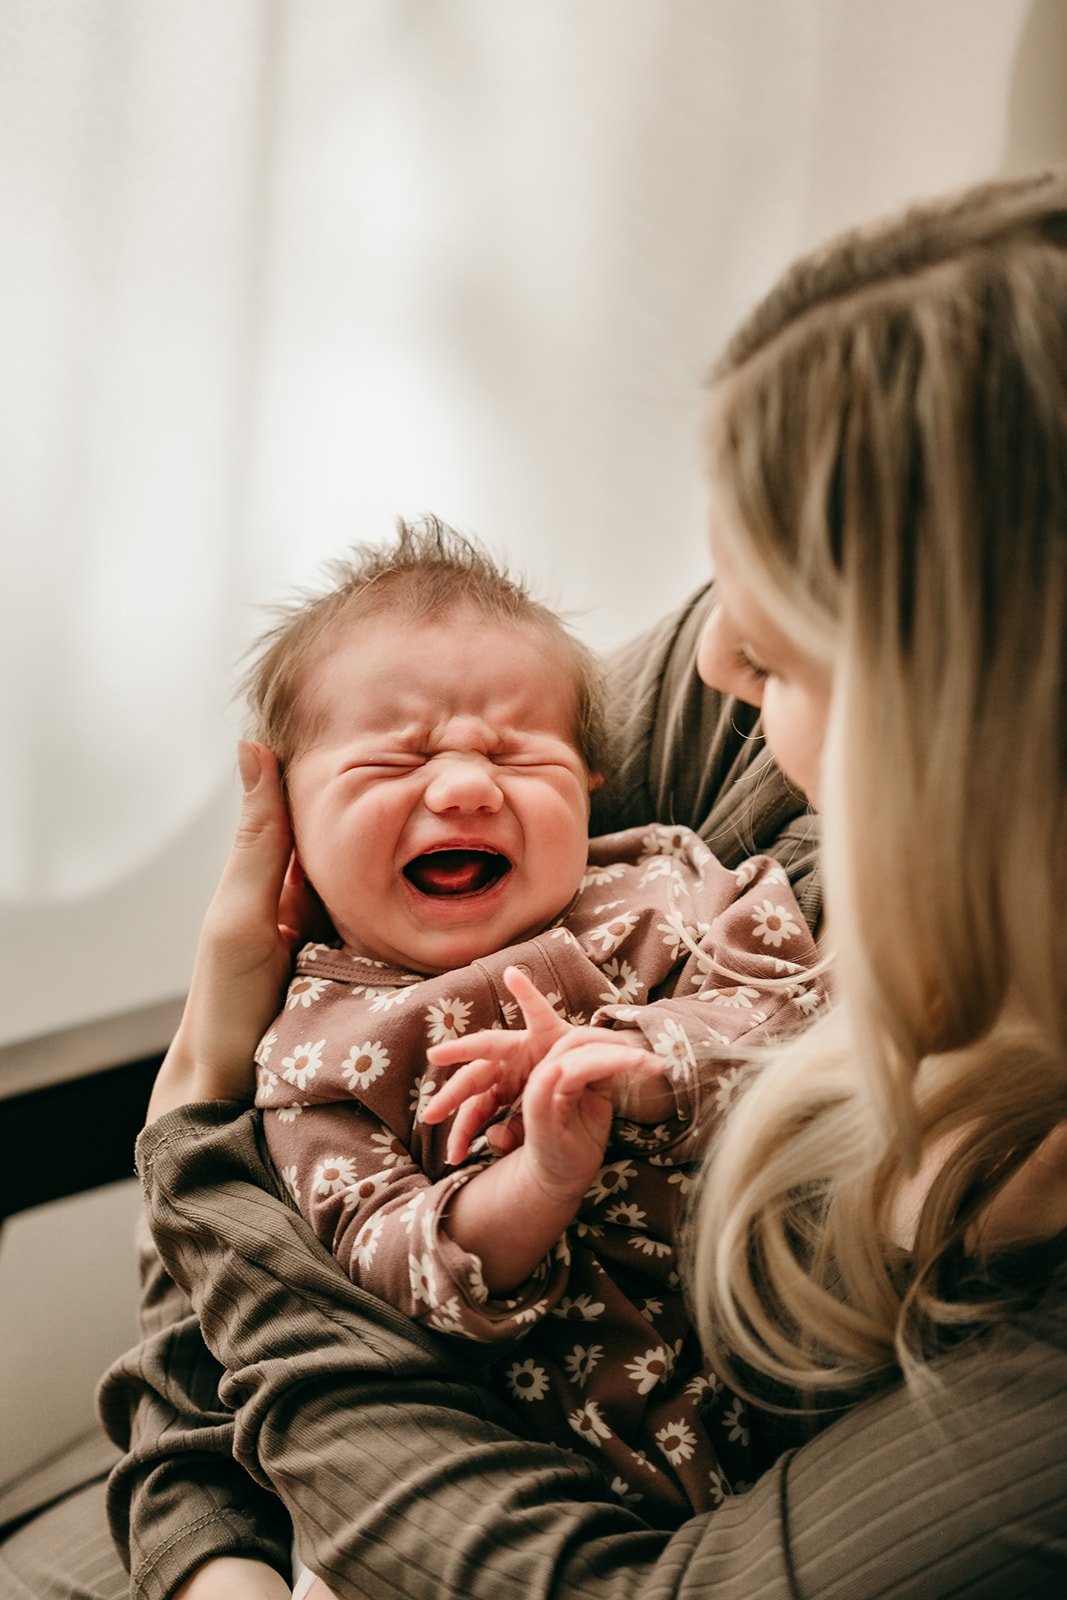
<point x="718" y="1486"/>
<point x="626" y="986"/>
<point x="423" y="1283"/>
<point x="532" y="1313"/>
<point x="305" y="991"/>
<point x="290" y="1177"/>
<point x="303" y="1064"/>
<point x="582" y="1308"/>
<point x="738" y="996"/>
<point x="526" y="1380"/>
<point x="704" y="1385"/>
<point x="411" y="1210"/>
<point x="266" y="1045"/>
<point x="747" y="873"/>
<point x="651" y="1308"/>
<point x="391" y="1152"/>
<point x="650" y="1247"/>
<point x="674" y="932"/>
<point x="772" y="924"/>
<point x="658" y="867"/>
<point x="581" y="1362"/>
<point x="289" y="1113"/>
<point x="653" y="1368"/>
<point x="421" y="1093"/>
<point x="628" y="1014"/>
<point x="682" y="1181"/>
<point x="597" y="876"/>
<point x="447" y="1019"/>
<point x="806" y="998"/>
<point x="364" y="1063"/>
<point x="676" y="1048"/>
<point x="589" y="1423"/>
<point x="734" y="1419"/>
<point x="626" y="1215"/>
<point x="727" y="1085"/>
<point x="611" y="934"/>
<point x="366" y="1245"/>
<point x="627" y="1495"/>
<point x="611" y="1179"/>
<point x="333" y="1174"/>
<point x="448" y="1318"/>
<point x="661" y="841"/>
<point x="387" y="999"/>
<point x="363" y="1189"/>
<point x="267" y="1082"/>
<point x="476" y="1282"/>
<point x="677" y="1441"/>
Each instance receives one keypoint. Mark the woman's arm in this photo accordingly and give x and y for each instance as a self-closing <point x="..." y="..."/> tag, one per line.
<point x="178" y="1499"/>
<point x="405" y="1478"/>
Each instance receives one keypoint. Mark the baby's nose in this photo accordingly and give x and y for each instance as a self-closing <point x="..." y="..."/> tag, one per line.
<point x="462" y="783"/>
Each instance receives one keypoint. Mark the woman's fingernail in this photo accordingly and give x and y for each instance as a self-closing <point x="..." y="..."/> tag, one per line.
<point x="248" y="765"/>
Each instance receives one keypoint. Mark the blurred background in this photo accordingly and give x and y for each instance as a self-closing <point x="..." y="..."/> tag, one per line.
<point x="275" y="271"/>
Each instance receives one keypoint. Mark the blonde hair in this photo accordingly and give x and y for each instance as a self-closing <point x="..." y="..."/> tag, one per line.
<point x="888" y="442"/>
<point x="427" y="571"/>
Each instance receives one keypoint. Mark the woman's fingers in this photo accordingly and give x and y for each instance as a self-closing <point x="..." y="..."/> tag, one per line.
<point x="242" y="960"/>
<point x="246" y="903"/>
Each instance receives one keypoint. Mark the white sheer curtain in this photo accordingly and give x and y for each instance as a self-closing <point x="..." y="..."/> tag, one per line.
<point x="277" y="270"/>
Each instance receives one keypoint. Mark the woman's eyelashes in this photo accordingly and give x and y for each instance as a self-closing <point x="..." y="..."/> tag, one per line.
<point x="747" y="664"/>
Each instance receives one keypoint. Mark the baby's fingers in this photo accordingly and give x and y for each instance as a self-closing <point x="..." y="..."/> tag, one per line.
<point x="538" y="1014"/>
<point x="472" y="1079"/>
<point x="586" y="1065"/>
<point x="471" y="1119"/>
<point x="492" y="1044"/>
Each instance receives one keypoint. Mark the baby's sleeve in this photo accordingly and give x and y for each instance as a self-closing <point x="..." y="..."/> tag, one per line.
<point x="385" y="1221"/>
<point x="742" y="976"/>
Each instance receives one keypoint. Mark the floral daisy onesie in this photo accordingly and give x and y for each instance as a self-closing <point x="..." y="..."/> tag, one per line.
<point x="596" y="1347"/>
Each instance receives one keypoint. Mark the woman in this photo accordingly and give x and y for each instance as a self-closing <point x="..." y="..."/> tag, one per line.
<point x="884" y="1214"/>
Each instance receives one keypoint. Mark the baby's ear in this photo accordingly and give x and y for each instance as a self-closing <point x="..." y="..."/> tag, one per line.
<point x="596" y="781"/>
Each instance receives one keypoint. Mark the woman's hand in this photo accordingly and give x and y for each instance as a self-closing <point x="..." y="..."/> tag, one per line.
<point x="259" y="912"/>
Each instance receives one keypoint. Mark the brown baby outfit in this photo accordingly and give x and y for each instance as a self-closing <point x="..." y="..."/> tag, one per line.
<point x="597" y="1350"/>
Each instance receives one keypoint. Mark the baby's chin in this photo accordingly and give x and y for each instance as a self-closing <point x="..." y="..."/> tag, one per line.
<point x="441" y="951"/>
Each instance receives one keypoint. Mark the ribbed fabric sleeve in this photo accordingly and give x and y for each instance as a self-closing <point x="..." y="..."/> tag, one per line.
<point x="405" y="1479"/>
<point x="178" y="1496"/>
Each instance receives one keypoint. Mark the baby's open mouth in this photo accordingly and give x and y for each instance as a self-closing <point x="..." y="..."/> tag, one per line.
<point x="456" y="872"/>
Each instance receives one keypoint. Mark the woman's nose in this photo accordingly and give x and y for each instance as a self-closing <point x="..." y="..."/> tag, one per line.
<point x="718" y="660"/>
<point x="462" y="783"/>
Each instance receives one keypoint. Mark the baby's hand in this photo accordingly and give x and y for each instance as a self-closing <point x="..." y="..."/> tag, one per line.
<point x="497" y="1064"/>
<point x="493" y="1065"/>
<point x="568" y="1107"/>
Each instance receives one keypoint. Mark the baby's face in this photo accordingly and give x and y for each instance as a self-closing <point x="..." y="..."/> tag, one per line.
<point x="441" y="811"/>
